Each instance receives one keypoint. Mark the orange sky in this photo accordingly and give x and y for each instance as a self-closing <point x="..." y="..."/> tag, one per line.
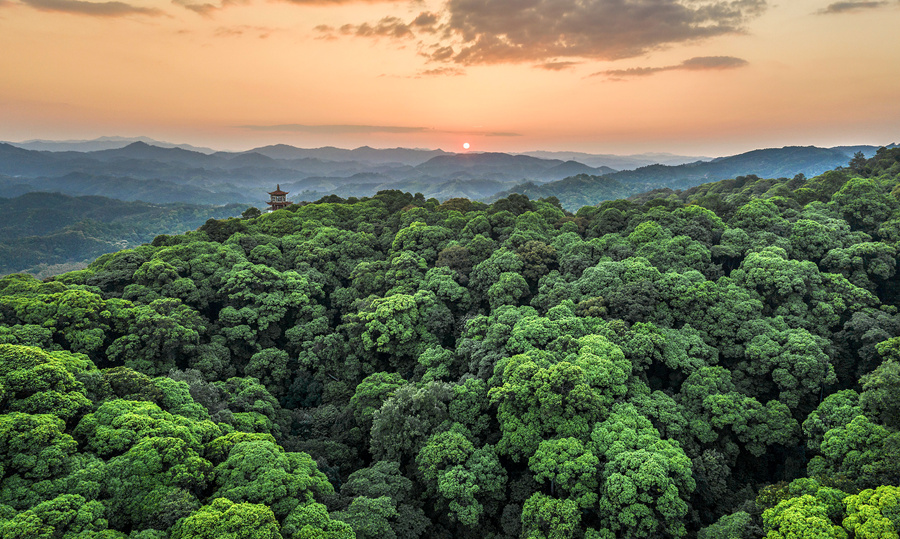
<point x="701" y="77"/>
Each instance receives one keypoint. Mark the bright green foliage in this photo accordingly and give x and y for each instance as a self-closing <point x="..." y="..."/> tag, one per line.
<point x="864" y="264"/>
<point x="461" y="475"/>
<point x="158" y="335"/>
<point x="637" y="369"/>
<point x="176" y="398"/>
<point x="312" y="521"/>
<point x="795" y="361"/>
<point x="269" y="366"/>
<point x="864" y="204"/>
<point x="119" y="424"/>
<point x="217" y="450"/>
<point x="155" y="483"/>
<point x="536" y="403"/>
<point x="63" y="516"/>
<point x="80" y="320"/>
<point x="39" y="382"/>
<point x="798" y="517"/>
<point x="426" y="241"/>
<point x="569" y="467"/>
<point x="544" y="517"/>
<point x="874" y="514"/>
<point x="261" y="472"/>
<point x="443" y="450"/>
<point x="384" y="479"/>
<point x="397" y="325"/>
<point x="718" y="413"/>
<point x="811" y="239"/>
<point x="865" y="452"/>
<point x="33" y="446"/>
<point x="80" y="473"/>
<point x="224" y="519"/>
<point x="645" y="480"/>
<point x="508" y="290"/>
<point x="437" y="362"/>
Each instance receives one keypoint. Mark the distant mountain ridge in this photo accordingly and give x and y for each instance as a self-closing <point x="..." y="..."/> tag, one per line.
<point x="101" y="143"/>
<point x="145" y="171"/>
<point x="153" y="171"/>
<point x="581" y="190"/>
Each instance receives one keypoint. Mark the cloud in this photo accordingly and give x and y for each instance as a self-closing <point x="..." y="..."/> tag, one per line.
<point x="699" y="63"/>
<point x="556" y="66"/>
<point x="261" y="32"/>
<point x="96" y="9"/>
<point x="426" y="22"/>
<point x="340" y="129"/>
<point x="550" y="32"/>
<point x="344" y="129"/>
<point x="496" y="31"/>
<point x="844" y="7"/>
<point x="336" y="2"/>
<point x="441" y="72"/>
<point x="386" y="27"/>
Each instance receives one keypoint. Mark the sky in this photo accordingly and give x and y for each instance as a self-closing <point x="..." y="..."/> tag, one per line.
<point x="692" y="77"/>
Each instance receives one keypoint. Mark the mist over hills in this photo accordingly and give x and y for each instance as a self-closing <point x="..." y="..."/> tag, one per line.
<point x="150" y="172"/>
<point x="787" y="162"/>
<point x="101" y="143"/>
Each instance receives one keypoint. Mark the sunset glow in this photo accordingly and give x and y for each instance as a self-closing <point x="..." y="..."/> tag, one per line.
<point x="239" y="74"/>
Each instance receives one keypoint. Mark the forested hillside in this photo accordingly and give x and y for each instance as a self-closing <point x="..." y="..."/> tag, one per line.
<point x="722" y="362"/>
<point x="44" y="229"/>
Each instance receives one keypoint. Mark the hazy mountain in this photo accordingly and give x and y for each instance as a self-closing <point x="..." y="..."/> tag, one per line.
<point x="155" y="174"/>
<point x="404" y="156"/>
<point x="503" y="166"/>
<point x="619" y="162"/>
<point x="142" y="171"/>
<point x="102" y="143"/>
<point x="769" y="163"/>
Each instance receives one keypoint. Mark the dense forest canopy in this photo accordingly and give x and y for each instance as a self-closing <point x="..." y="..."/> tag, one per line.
<point x="720" y="362"/>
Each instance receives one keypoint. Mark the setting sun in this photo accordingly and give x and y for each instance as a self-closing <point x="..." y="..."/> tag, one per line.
<point x="466" y="145"/>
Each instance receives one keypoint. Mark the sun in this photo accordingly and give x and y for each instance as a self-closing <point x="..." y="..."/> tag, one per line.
<point x="466" y="145"/>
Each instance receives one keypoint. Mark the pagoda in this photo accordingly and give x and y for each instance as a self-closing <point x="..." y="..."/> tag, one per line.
<point x="278" y="199"/>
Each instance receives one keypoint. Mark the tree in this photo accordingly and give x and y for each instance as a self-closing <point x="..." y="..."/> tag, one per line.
<point x="544" y="517"/>
<point x="535" y="403"/>
<point x="312" y="520"/>
<point x="402" y="426"/>
<point x="224" y="519"/>
<point x="645" y="480"/>
<point x="802" y="516"/>
<point x="569" y="467"/>
<point x="874" y="513"/>
<point x="117" y="425"/>
<point x="865" y="452"/>
<point x="68" y="515"/>
<point x="34" y="381"/>
<point x="260" y="472"/>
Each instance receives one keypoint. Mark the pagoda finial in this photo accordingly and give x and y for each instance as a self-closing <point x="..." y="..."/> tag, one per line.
<point x="278" y="187"/>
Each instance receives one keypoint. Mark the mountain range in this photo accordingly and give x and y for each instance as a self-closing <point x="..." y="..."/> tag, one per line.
<point x="163" y="173"/>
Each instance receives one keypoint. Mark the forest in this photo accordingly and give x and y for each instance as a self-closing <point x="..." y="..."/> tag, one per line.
<point x="721" y="362"/>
